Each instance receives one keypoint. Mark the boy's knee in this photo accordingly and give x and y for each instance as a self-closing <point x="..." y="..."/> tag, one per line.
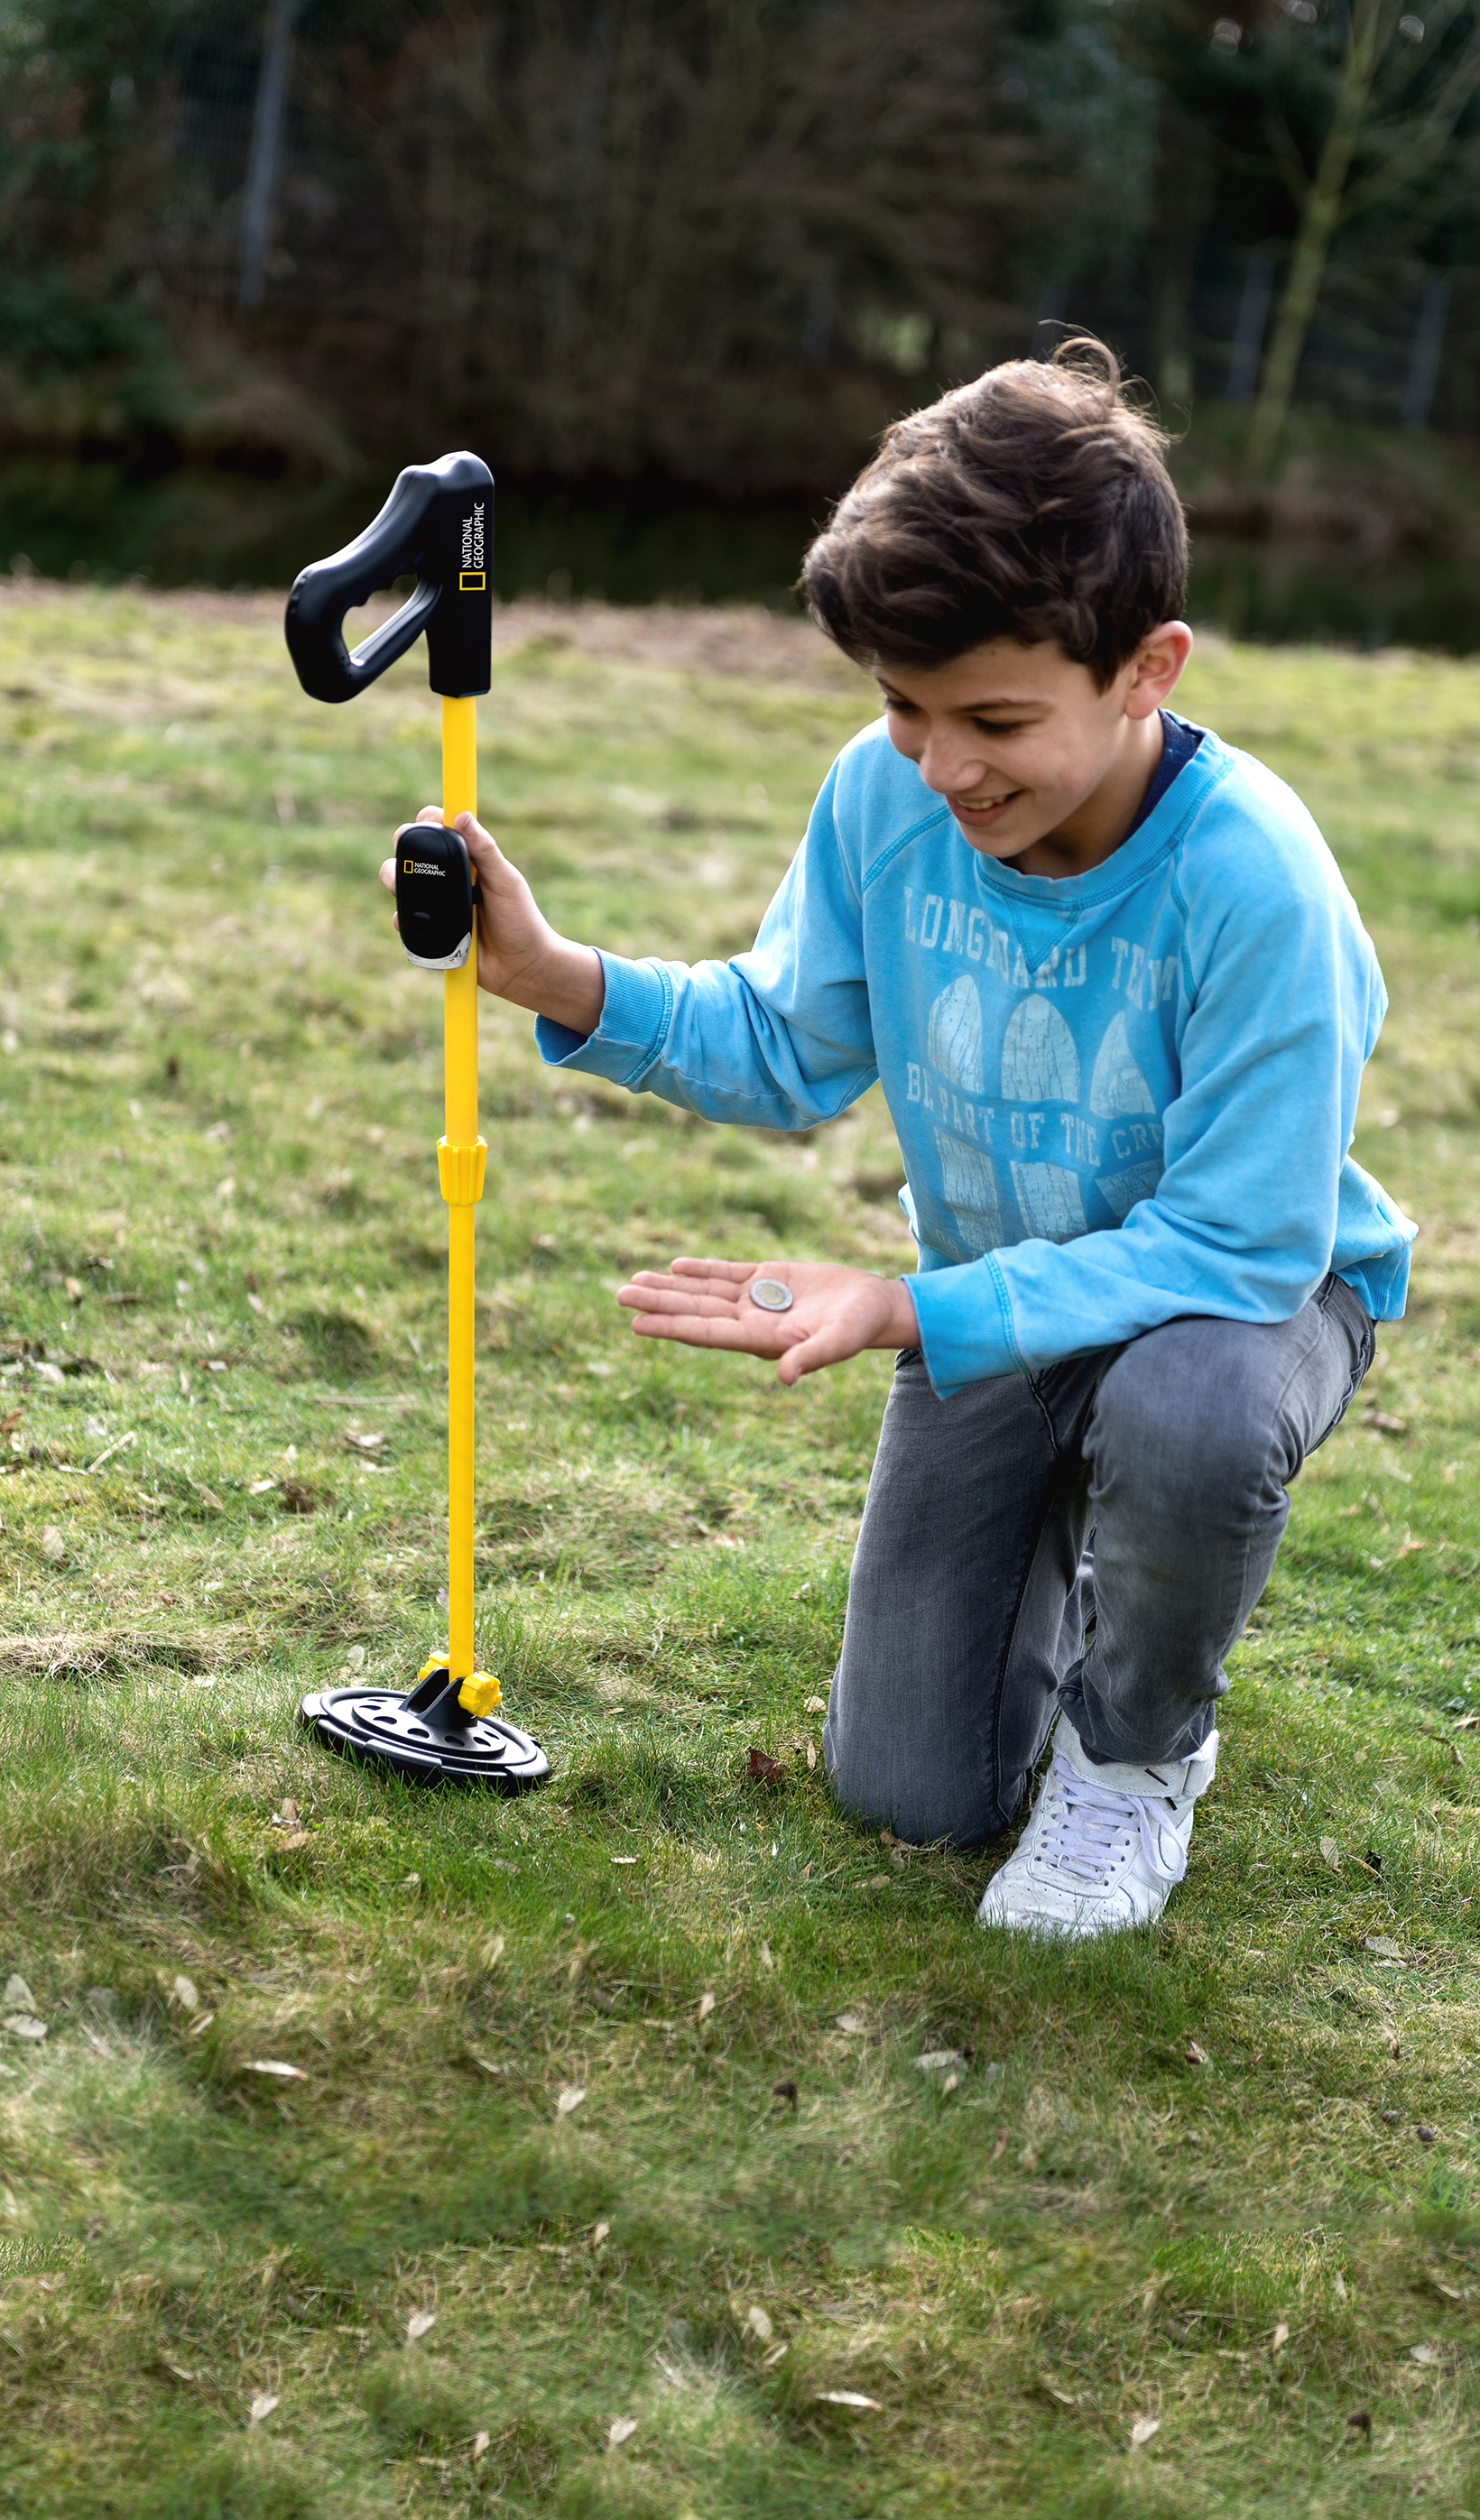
<point x="1198" y="1442"/>
<point x="920" y="1800"/>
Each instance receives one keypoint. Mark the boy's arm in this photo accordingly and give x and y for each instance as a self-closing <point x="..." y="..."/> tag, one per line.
<point x="780" y="1036"/>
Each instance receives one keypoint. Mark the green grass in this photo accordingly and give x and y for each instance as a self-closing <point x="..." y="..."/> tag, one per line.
<point x="219" y="1087"/>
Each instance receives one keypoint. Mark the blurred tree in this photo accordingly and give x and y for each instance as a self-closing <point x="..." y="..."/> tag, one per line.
<point x="80" y="180"/>
<point x="1398" y="85"/>
<point x="716" y="241"/>
<point x="710" y="236"/>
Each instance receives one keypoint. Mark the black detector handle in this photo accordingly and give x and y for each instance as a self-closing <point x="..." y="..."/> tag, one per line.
<point x="437" y="520"/>
<point x="434" y="895"/>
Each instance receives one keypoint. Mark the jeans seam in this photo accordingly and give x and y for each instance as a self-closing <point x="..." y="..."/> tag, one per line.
<point x="1053" y="1502"/>
<point x="1367" y="1350"/>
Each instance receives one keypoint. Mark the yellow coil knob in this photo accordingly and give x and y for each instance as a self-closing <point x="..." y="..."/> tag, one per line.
<point x="481" y="1693"/>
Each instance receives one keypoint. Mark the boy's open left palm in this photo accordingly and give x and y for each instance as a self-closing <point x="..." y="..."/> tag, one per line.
<point x="834" y="1312"/>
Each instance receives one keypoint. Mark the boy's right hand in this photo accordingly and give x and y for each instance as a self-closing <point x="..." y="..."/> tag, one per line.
<point x="521" y="956"/>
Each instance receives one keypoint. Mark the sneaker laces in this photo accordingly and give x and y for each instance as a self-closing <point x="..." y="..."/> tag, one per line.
<point x="1085" y="1823"/>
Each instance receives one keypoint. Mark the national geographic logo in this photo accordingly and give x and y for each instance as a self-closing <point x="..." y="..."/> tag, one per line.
<point x="416" y="866"/>
<point x="473" y="578"/>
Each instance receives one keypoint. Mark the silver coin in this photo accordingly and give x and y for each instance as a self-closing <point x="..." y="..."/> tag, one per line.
<point x="771" y="1295"/>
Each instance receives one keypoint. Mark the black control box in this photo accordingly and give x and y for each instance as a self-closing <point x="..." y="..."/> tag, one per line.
<point x="434" y="895"/>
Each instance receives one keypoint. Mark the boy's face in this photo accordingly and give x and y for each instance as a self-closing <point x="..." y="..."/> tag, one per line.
<point x="1041" y="767"/>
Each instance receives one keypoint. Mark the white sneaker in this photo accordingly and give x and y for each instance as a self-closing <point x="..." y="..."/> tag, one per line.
<point x="1104" y="1847"/>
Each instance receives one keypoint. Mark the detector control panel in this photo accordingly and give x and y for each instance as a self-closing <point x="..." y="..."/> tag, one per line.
<point x="435" y="895"/>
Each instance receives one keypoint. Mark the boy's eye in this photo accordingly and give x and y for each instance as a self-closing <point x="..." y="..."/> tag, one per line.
<point x="998" y="726"/>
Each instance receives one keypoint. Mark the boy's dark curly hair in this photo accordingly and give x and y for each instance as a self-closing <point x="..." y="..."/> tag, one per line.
<point x="1035" y="503"/>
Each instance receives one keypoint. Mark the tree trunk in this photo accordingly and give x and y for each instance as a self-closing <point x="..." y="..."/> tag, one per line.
<point x="1319" y="221"/>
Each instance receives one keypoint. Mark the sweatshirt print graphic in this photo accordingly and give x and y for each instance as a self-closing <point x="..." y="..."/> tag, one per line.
<point x="1041" y="1119"/>
<point x="1120" y="1096"/>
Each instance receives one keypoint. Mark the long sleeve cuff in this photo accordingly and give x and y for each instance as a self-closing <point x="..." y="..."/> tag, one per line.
<point x="965" y="1325"/>
<point x="636" y="1013"/>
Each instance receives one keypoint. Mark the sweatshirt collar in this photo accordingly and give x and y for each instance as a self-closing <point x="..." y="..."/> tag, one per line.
<point x="1125" y="866"/>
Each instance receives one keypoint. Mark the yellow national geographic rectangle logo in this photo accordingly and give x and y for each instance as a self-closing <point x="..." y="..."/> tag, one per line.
<point x="406" y="866"/>
<point x="473" y="581"/>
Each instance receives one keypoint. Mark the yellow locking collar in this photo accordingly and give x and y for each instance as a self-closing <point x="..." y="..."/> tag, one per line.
<point x="460" y="1170"/>
<point x="479" y="1693"/>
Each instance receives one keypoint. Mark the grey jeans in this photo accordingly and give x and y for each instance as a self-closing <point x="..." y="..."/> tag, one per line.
<point x="975" y="1607"/>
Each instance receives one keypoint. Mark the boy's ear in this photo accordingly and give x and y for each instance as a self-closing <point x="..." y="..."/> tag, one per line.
<point x="1158" y="667"/>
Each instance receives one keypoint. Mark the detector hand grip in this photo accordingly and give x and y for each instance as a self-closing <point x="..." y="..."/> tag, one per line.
<point x="437" y="520"/>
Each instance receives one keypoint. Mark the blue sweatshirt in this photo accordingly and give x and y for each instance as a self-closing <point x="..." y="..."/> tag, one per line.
<point x="1120" y="1096"/>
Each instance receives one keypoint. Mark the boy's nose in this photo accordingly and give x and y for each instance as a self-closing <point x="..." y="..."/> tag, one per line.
<point x="950" y="768"/>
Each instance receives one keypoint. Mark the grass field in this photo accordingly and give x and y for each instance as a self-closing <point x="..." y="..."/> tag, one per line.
<point x="1192" y="2227"/>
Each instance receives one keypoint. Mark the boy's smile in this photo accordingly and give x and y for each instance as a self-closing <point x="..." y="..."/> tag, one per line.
<point x="1041" y="769"/>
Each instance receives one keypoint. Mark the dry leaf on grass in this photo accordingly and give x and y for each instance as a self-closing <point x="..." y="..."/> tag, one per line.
<point x="1330" y="1853"/>
<point x="624" y="1859"/>
<point x="23" y="2025"/>
<point x="848" y="2398"/>
<point x="758" y="2324"/>
<point x="705" y="2007"/>
<point x="778" y="2354"/>
<point x="936" y="2059"/>
<point x="419" y="2323"/>
<point x="854" y="2024"/>
<point x="1384" y="1946"/>
<point x="262" y="2408"/>
<point x="1142" y="2430"/>
<point x="480" y="2441"/>
<point x="784" y="2090"/>
<point x="183" y="1992"/>
<point x="620" y="2429"/>
<point x="1195" y="2055"/>
<point x="18" y="1994"/>
<point x="602" y="2231"/>
<point x="53" y="1546"/>
<point x="763" y="1769"/>
<point x="814" y="1706"/>
<point x="767" y="1958"/>
<point x="1281" y="2336"/>
<point x="275" y="2065"/>
<point x="569" y="2097"/>
<point x="1424" y="2354"/>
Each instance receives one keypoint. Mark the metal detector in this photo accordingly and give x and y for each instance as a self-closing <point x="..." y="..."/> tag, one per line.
<point x="438" y="522"/>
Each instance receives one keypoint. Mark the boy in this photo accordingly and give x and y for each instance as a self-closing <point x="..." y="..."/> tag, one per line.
<point x="1120" y="1002"/>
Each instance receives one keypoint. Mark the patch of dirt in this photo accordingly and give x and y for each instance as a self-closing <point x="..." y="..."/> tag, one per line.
<point x="697" y="638"/>
<point x="111" y="1654"/>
